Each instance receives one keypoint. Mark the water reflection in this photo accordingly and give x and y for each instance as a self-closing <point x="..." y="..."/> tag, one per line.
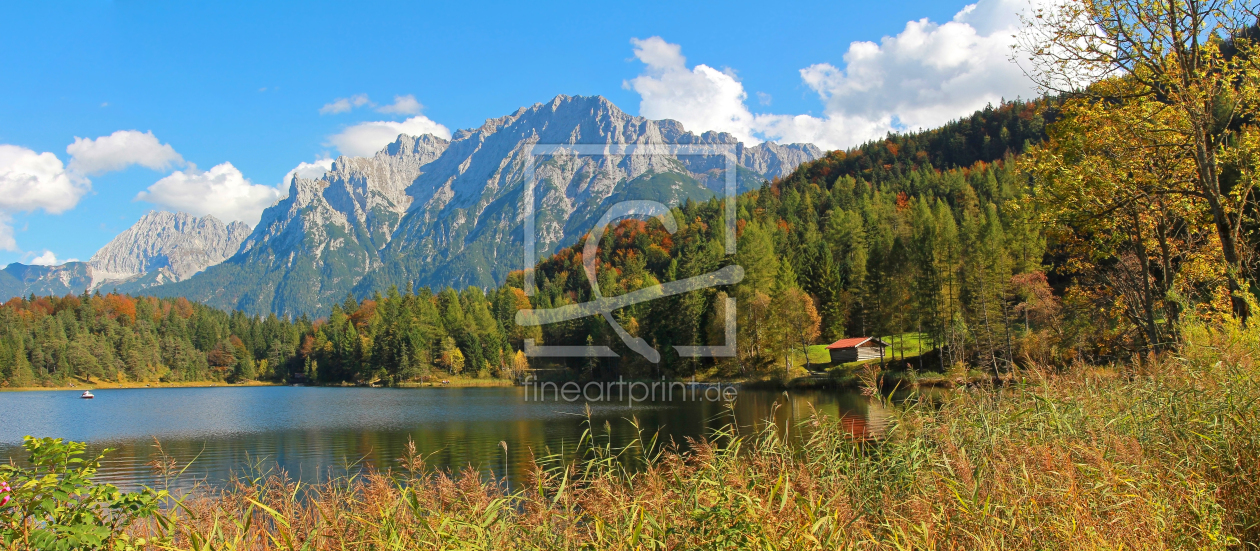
<point x="314" y="432"/>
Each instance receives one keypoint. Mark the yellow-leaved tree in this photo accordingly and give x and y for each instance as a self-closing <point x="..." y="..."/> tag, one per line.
<point x="1157" y="143"/>
<point x="1122" y="206"/>
<point x="1149" y="172"/>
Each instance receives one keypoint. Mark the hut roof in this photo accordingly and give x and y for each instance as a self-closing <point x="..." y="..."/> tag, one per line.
<point x="855" y="342"/>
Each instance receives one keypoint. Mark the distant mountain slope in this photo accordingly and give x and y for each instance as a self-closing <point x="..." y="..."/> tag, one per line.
<point x="315" y="244"/>
<point x="21" y="280"/>
<point x="465" y="226"/>
<point x="163" y="247"/>
<point x="428" y="211"/>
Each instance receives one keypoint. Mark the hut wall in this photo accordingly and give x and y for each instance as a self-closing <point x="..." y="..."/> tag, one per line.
<point x="867" y="352"/>
<point x="854" y="354"/>
<point x="843" y="355"/>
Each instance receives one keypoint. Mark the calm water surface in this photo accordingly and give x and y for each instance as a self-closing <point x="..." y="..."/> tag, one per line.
<point x="311" y="432"/>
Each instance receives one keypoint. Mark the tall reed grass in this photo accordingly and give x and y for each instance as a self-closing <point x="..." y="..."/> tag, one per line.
<point x="1160" y="453"/>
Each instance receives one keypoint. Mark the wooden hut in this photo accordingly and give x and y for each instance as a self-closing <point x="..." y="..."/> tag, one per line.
<point x="856" y="349"/>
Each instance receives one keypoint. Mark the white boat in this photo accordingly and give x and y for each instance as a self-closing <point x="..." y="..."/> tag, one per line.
<point x="87" y="395"/>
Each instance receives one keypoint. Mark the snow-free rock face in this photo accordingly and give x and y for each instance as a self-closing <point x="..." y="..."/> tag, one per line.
<point x="427" y="211"/>
<point x="309" y="249"/>
<point x="465" y="225"/>
<point x="173" y="245"/>
<point x="772" y="159"/>
<point x="19" y="280"/>
<point x="358" y="195"/>
<point x="162" y="247"/>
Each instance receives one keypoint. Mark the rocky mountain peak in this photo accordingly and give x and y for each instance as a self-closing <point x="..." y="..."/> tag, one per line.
<point x="363" y="198"/>
<point x="174" y="242"/>
<point x="426" y="147"/>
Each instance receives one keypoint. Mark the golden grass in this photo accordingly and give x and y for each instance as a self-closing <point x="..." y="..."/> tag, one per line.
<point x="1159" y="455"/>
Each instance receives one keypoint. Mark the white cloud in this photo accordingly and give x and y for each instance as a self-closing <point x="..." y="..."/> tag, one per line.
<point x="46" y="259"/>
<point x="120" y="150"/>
<point x="307" y="171"/>
<point x="221" y="191"/>
<point x="929" y="73"/>
<point x="835" y="131"/>
<point x="30" y="181"/>
<point x="924" y="76"/>
<point x="403" y="105"/>
<point x="342" y="105"/>
<point x="7" y="242"/>
<point x="701" y="99"/>
<point x="366" y="138"/>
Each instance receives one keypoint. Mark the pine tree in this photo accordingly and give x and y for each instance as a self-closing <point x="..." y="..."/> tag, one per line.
<point x="20" y="368"/>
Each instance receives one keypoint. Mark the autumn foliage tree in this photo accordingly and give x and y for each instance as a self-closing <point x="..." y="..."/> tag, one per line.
<point x="1124" y="207"/>
<point x="798" y="322"/>
<point x="1181" y="78"/>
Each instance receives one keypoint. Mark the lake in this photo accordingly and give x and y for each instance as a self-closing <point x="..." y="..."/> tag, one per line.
<point x="312" y="432"/>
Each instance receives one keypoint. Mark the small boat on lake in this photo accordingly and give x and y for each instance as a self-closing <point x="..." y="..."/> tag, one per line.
<point x="87" y="395"/>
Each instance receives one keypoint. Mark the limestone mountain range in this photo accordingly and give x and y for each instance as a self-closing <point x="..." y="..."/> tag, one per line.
<point x="424" y="211"/>
<point x="162" y="247"/>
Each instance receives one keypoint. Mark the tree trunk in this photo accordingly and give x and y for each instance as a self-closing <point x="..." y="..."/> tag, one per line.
<point x="1210" y="186"/>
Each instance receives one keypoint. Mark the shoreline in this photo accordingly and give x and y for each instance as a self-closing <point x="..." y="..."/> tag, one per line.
<point x="816" y="381"/>
<point x="101" y="385"/>
<point x="104" y="385"/>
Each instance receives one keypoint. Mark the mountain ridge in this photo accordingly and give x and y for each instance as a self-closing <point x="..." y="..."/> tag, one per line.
<point x="176" y="245"/>
<point x="161" y="247"/>
<point x="428" y="211"/>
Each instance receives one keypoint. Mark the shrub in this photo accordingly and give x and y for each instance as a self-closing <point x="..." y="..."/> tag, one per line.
<point x="54" y="504"/>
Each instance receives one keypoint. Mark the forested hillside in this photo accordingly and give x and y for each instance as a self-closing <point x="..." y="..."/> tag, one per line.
<point x="916" y="232"/>
<point x="986" y="136"/>
<point x="52" y="340"/>
<point x="47" y="341"/>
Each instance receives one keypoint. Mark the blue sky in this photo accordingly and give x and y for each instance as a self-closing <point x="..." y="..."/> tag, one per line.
<point x="245" y="83"/>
